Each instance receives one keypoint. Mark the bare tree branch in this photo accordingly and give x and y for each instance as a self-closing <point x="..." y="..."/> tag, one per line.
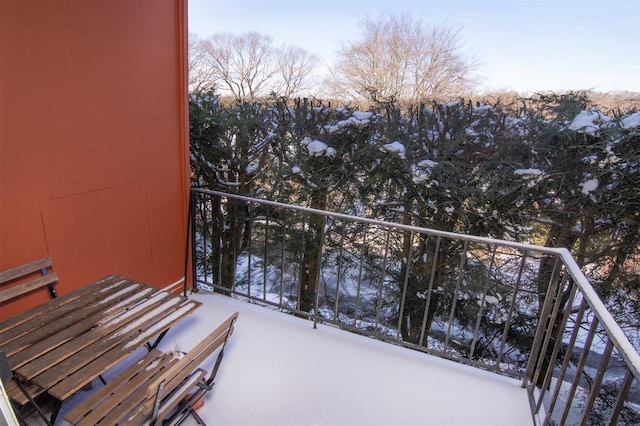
<point x="398" y="59"/>
<point x="294" y="69"/>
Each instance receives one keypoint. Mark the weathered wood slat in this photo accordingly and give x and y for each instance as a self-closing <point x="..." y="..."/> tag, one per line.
<point x="52" y="322"/>
<point x="123" y="401"/>
<point x="172" y="398"/>
<point x="132" y="398"/>
<point x="65" y="343"/>
<point x="54" y="303"/>
<point x="129" y="409"/>
<point x="16" y="394"/>
<point x="179" y="394"/>
<point x="74" y="312"/>
<point x="22" y="270"/>
<point x="105" y="394"/>
<point x="193" y="358"/>
<point x="149" y="330"/>
<point x="75" y="353"/>
<point x="74" y="328"/>
<point x="126" y="338"/>
<point x="6" y="327"/>
<point x="27" y="286"/>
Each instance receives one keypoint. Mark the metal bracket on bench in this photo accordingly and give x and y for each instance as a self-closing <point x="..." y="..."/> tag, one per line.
<point x="204" y="385"/>
<point x="152" y="346"/>
<point x="156" y="405"/>
<point x="187" y="407"/>
<point x="50" y="286"/>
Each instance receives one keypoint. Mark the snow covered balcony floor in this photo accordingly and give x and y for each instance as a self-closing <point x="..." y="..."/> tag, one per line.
<point x="279" y="370"/>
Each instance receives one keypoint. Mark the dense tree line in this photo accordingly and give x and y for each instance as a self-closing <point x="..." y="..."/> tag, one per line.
<point x="552" y="170"/>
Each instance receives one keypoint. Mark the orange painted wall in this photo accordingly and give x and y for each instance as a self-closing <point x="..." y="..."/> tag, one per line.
<point x="93" y="139"/>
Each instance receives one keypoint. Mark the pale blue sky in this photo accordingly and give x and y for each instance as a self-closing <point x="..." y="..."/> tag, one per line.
<point x="522" y="45"/>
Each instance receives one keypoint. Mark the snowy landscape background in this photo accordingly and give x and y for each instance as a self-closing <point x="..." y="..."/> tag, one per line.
<point x="557" y="171"/>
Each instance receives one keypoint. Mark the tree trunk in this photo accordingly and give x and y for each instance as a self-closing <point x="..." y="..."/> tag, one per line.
<point x="312" y="251"/>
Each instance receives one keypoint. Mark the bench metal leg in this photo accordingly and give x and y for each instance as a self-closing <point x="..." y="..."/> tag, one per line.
<point x="184" y="409"/>
<point x="55" y="410"/>
<point x="197" y="417"/>
<point x="16" y="409"/>
<point x="32" y="401"/>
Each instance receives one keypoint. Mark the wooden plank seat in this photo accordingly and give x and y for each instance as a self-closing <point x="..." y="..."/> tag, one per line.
<point x="14" y="283"/>
<point x="158" y="387"/>
<point x="59" y="305"/>
<point x="51" y="319"/>
<point x="62" y="345"/>
<point x="55" y="327"/>
<point x="26" y="278"/>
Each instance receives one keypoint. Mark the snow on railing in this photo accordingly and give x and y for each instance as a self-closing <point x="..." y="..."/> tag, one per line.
<point x="520" y="310"/>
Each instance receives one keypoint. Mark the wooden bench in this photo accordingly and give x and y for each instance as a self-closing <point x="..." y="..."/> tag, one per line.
<point x="160" y="386"/>
<point x="25" y="279"/>
<point x="14" y="283"/>
<point x="61" y="345"/>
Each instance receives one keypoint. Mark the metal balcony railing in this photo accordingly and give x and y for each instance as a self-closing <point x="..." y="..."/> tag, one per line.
<point x="520" y="310"/>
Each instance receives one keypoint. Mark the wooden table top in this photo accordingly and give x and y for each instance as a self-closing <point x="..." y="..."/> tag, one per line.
<point x="65" y="343"/>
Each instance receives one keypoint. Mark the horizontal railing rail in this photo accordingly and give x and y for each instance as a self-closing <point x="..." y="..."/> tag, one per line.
<point x="517" y="309"/>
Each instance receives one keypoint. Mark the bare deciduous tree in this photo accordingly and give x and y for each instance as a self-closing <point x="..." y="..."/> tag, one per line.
<point x="247" y="66"/>
<point x="242" y="63"/>
<point x="399" y="59"/>
<point x="294" y="69"/>
<point x="199" y="74"/>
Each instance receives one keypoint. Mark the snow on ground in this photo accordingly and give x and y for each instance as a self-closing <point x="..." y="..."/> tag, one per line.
<point x="278" y="370"/>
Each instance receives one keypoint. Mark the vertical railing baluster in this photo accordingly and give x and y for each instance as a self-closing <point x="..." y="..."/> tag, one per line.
<point x="556" y="347"/>
<point x="432" y="277"/>
<point x="542" y="323"/>
<point x="454" y="302"/>
<point x="339" y="274"/>
<point x="207" y="237"/>
<point x="383" y="277"/>
<point x="266" y="256"/>
<point x="193" y="238"/>
<point x="579" y="369"/>
<point x="483" y="302"/>
<point x="537" y="355"/>
<point x="512" y="307"/>
<point x="205" y="256"/>
<point x="249" y="246"/>
<point x="285" y="229"/>
<point x="193" y="229"/>
<point x="597" y="382"/>
<point x="234" y="229"/>
<point x="551" y="327"/>
<point x="301" y="258"/>
<point x="218" y="242"/>
<point x="316" y="313"/>
<point x="363" y="253"/>
<point x="565" y="365"/>
<point x="623" y="394"/>
<point x="405" y="285"/>
<point x="201" y="202"/>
